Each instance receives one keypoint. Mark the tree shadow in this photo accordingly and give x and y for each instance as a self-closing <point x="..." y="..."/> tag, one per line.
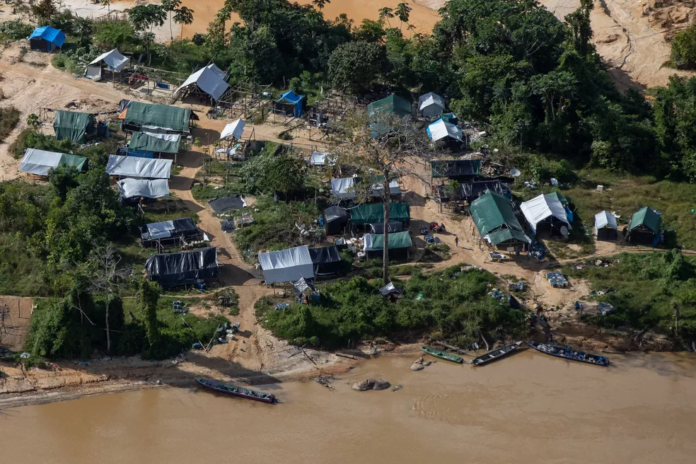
<point x="414" y="199"/>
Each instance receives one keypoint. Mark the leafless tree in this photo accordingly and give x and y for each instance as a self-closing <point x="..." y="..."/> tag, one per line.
<point x="381" y="144"/>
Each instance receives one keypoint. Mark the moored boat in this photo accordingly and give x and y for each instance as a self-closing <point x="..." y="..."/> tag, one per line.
<point x="240" y="392"/>
<point x="442" y="355"/>
<point x="495" y="354"/>
<point x="570" y="354"/>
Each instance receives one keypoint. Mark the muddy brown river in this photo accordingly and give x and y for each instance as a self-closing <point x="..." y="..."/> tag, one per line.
<point x="529" y="408"/>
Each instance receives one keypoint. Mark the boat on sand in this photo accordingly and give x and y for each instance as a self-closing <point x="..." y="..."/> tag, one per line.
<point x="442" y="355"/>
<point x="495" y="354"/>
<point x="233" y="390"/>
<point x="570" y="354"/>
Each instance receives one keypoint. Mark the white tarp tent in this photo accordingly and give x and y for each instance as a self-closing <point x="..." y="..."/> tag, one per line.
<point x="130" y="188"/>
<point x="39" y="162"/>
<point x="287" y="265"/>
<point x="345" y="188"/>
<point x="541" y="208"/>
<point x="605" y="219"/>
<point x="217" y="71"/>
<point x="131" y="166"/>
<point x="441" y="129"/>
<point x="322" y="159"/>
<point x="208" y="81"/>
<point x="234" y="129"/>
<point x="113" y="59"/>
<point x="431" y="105"/>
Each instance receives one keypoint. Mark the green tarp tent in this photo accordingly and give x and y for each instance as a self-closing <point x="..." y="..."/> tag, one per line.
<point x="560" y="197"/>
<point x="144" y="142"/>
<point x="390" y="105"/>
<point x="396" y="241"/>
<point x="647" y="217"/>
<point x="73" y="126"/>
<point x="168" y="117"/>
<point x="493" y="216"/>
<point x="374" y="213"/>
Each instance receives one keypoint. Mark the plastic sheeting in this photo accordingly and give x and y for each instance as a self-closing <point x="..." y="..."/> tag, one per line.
<point x="182" y="268"/>
<point x="73" y="125"/>
<point x="154" y="142"/>
<point x="431" y="105"/>
<point x="441" y="129"/>
<point x="605" y="219"/>
<point x="292" y="98"/>
<point x="325" y="255"/>
<point x="227" y="203"/>
<point x="168" y="229"/>
<point x="287" y="265"/>
<point x="374" y="242"/>
<point x="234" y="129"/>
<point x="391" y="289"/>
<point x="374" y="213"/>
<point x="455" y="168"/>
<point x="394" y="226"/>
<point x="113" y="59"/>
<point x="541" y="208"/>
<point x="323" y="159"/>
<point x="208" y="81"/>
<point x="647" y="217"/>
<point x="301" y="286"/>
<point x="128" y="166"/>
<point x="492" y="211"/>
<point x="49" y="34"/>
<point x="40" y="162"/>
<point x="163" y="116"/>
<point x="345" y="188"/>
<point x="131" y="188"/>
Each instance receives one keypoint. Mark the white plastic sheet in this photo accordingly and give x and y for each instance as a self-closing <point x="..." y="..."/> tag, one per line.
<point x="287" y="265"/>
<point x="131" y="166"/>
<point x="234" y="129"/>
<point x="431" y="104"/>
<point x="441" y="129"/>
<point x="605" y="219"/>
<point x="39" y="162"/>
<point x="323" y="159"/>
<point x="130" y="188"/>
<point x="345" y="188"/>
<point x="208" y="81"/>
<point x="541" y="208"/>
<point x="113" y="60"/>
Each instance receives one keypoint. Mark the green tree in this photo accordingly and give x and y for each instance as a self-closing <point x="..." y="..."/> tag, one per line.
<point x="114" y="34"/>
<point x="270" y="174"/>
<point x="386" y="13"/>
<point x="44" y="11"/>
<point x="683" y="47"/>
<point x="148" y="298"/>
<point x="253" y="55"/>
<point x="581" y="30"/>
<point x="369" y="31"/>
<point x="403" y="12"/>
<point x="33" y="121"/>
<point x="108" y="6"/>
<point x="320" y="3"/>
<point x="355" y="66"/>
<point x="183" y="15"/>
<point x="144" y="18"/>
<point x="170" y="6"/>
<point x="63" y="179"/>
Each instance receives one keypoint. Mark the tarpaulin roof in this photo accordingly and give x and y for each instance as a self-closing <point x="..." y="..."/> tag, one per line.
<point x="543" y="207"/>
<point x="441" y="129"/>
<point x="40" y="162"/>
<point x="430" y="99"/>
<point x="168" y="117"/>
<point x="505" y="235"/>
<point x="291" y="97"/>
<point x="325" y="255"/>
<point x="112" y="59"/>
<point x="129" y="166"/>
<point x="217" y="70"/>
<point x="475" y="188"/>
<point x="167" y="229"/>
<point x="345" y="188"/>
<point x="647" y="217"/>
<point x="605" y="219"/>
<point x="287" y="265"/>
<point x="389" y="289"/>
<point x="301" y="286"/>
<point x="208" y="81"/>
<point x="394" y="226"/>
<point x="131" y="188"/>
<point x="179" y="268"/>
<point x="72" y="125"/>
<point x="397" y="240"/>
<point x="392" y="104"/>
<point x="234" y="129"/>
<point x="455" y="168"/>
<point x="323" y="159"/>
<point x="154" y="142"/>
<point x="491" y="211"/>
<point x="560" y="197"/>
<point x="227" y="203"/>
<point x="368" y="214"/>
<point x="335" y="213"/>
<point x="55" y="36"/>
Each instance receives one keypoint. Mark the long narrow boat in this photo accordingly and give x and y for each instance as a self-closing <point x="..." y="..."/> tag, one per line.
<point x="570" y="354"/>
<point x="240" y="392"/>
<point x="442" y="355"/>
<point x="495" y="354"/>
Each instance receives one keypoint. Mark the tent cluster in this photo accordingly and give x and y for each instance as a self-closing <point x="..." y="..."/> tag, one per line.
<point x="348" y="188"/>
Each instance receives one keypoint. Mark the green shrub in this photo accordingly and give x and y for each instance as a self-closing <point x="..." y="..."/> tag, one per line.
<point x="9" y="117"/>
<point x="16" y="29"/>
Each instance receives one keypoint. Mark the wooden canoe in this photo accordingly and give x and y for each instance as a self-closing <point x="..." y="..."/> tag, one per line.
<point x="495" y="354"/>
<point x="570" y="354"/>
<point x="442" y="355"/>
<point x="240" y="392"/>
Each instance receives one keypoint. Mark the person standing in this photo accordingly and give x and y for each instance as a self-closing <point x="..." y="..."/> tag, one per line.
<point x="456" y="241"/>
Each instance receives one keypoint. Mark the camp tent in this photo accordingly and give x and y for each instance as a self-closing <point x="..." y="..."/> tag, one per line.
<point x="391" y="290"/>
<point x="290" y="104"/>
<point x="134" y="188"/>
<point x="335" y="220"/>
<point x="46" y="39"/>
<point x="374" y="213"/>
<point x="391" y="105"/>
<point x="560" y="197"/>
<point x="234" y="129"/>
<point x="40" y="162"/>
<point x="326" y="260"/>
<point x="73" y="126"/>
<point x="431" y="105"/>
<point x="645" y="226"/>
<point x="154" y="142"/>
<point x="207" y="81"/>
<point x="322" y="159"/>
<point x="287" y="265"/>
<point x="302" y="288"/>
<point x="470" y="191"/>
<point x="605" y="226"/>
<point x="461" y="170"/>
<point x="169" y="232"/>
<point x="440" y="130"/>
<point x="399" y="243"/>
<point x="345" y="188"/>
<point x="113" y="60"/>
<point x="160" y="118"/>
<point x="129" y="166"/>
<point x="393" y="226"/>
<point x="496" y="222"/>
<point x="170" y="270"/>
<point x="545" y="211"/>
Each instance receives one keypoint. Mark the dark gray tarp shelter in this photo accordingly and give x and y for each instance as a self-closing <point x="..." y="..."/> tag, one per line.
<point x="470" y="191"/>
<point x="391" y="289"/>
<point x="335" y="220"/>
<point x="326" y="260"/>
<point x="171" y="270"/>
<point x="168" y="231"/>
<point x="461" y="170"/>
<point x="227" y="203"/>
<point x="73" y="125"/>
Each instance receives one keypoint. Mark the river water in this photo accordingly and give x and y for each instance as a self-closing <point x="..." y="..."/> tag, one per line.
<point x="529" y="408"/>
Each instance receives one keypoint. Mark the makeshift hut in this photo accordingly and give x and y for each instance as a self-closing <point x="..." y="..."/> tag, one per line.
<point x="233" y="130"/>
<point x="40" y="162"/>
<point x="156" y="118"/>
<point x="393" y="105"/>
<point x="326" y="260"/>
<point x="289" y="104"/>
<point x="459" y="170"/>
<point x="130" y="189"/>
<point x="46" y="39"/>
<point x="205" y="81"/>
<point x="176" y="232"/>
<point x="74" y="126"/>
<point x="304" y="289"/>
<point x="447" y="133"/>
<point x="393" y="226"/>
<point x="645" y="227"/>
<point x="391" y="291"/>
<point x="399" y="243"/>
<point x="141" y="168"/>
<point x="345" y="189"/>
<point x="363" y="215"/>
<point x="230" y="203"/>
<point x="287" y="265"/>
<point x="322" y="159"/>
<point x="335" y="220"/>
<point x="113" y="61"/>
<point x="497" y="224"/>
<point x="155" y="143"/>
<point x="186" y="268"/>
<point x="546" y="214"/>
<point x="431" y="105"/>
<point x="605" y="226"/>
<point x="470" y="191"/>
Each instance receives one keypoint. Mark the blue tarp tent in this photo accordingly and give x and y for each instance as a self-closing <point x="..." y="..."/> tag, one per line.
<point x="296" y="100"/>
<point x="46" y="39"/>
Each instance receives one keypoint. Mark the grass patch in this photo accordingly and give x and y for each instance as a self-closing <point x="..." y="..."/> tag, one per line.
<point x="9" y="117"/>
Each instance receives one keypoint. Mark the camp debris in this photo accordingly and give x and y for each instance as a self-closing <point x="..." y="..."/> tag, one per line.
<point x="391" y="290"/>
<point x="170" y="231"/>
<point x="605" y="309"/>
<point x="557" y="280"/>
<point x="40" y="162"/>
<point x="322" y="159"/>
